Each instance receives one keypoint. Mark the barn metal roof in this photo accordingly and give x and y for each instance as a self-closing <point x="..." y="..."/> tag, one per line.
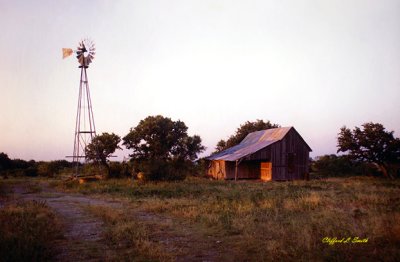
<point x="252" y="143"/>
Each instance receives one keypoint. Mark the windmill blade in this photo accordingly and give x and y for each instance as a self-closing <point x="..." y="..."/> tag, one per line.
<point x="85" y="52"/>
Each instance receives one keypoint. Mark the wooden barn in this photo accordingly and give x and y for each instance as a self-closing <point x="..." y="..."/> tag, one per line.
<point x="272" y="154"/>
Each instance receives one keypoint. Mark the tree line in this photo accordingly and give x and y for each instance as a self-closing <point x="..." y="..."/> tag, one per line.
<point x="161" y="149"/>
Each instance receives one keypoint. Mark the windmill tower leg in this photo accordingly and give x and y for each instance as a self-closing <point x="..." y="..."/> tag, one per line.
<point x="85" y="128"/>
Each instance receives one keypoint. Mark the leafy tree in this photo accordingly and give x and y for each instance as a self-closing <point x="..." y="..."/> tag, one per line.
<point x="159" y="144"/>
<point x="372" y="144"/>
<point x="5" y="162"/>
<point x="102" y="147"/>
<point x="158" y="137"/>
<point x="242" y="132"/>
<point x="221" y="145"/>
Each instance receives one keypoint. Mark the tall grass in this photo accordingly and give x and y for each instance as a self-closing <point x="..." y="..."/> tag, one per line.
<point x="266" y="221"/>
<point x="27" y="232"/>
<point x="129" y="237"/>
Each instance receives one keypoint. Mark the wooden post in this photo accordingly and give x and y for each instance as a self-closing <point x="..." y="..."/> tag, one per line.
<point x="236" y="170"/>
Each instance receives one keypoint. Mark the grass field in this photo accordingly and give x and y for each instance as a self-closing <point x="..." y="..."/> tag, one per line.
<point x="27" y="231"/>
<point x="331" y="219"/>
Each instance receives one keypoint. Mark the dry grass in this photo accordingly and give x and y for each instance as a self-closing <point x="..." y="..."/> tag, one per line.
<point x="267" y="221"/>
<point x="27" y="232"/>
<point x="129" y="237"/>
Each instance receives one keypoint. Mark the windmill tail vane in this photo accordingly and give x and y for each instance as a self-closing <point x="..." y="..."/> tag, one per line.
<point x="67" y="52"/>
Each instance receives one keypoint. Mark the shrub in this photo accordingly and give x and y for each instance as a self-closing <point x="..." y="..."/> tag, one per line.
<point x="52" y="168"/>
<point x="92" y="169"/>
<point x="341" y="166"/>
<point x="30" y="171"/>
<point x="199" y="168"/>
<point x="162" y="170"/>
<point x="119" y="170"/>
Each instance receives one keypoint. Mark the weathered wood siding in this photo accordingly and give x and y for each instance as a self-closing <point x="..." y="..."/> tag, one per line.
<point x="246" y="170"/>
<point x="278" y="154"/>
<point x="289" y="158"/>
<point x="216" y="169"/>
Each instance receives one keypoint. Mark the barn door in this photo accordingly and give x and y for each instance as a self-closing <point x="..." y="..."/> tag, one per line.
<point x="266" y="171"/>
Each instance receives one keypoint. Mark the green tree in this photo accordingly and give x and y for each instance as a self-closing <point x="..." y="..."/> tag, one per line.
<point x="242" y="132"/>
<point x="158" y="143"/>
<point x="372" y="144"/>
<point x="102" y="147"/>
<point x="221" y="145"/>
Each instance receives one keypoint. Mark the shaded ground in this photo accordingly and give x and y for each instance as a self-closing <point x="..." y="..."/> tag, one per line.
<point x="83" y="232"/>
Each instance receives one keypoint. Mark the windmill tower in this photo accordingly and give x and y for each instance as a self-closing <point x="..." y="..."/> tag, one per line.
<point x="85" y="128"/>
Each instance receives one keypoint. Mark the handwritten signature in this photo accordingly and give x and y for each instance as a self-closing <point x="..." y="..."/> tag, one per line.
<point x="345" y="240"/>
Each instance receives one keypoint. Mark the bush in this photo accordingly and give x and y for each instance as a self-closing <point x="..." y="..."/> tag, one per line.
<point x="52" y="168"/>
<point x="341" y="166"/>
<point x="333" y="165"/>
<point x="119" y="170"/>
<point x="92" y="169"/>
<point x="161" y="170"/>
<point x="200" y="168"/>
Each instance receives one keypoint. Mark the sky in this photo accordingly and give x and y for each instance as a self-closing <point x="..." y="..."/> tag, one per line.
<point x="213" y="64"/>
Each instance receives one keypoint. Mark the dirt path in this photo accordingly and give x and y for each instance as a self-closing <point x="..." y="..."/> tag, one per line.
<point x="83" y="231"/>
<point x="83" y="239"/>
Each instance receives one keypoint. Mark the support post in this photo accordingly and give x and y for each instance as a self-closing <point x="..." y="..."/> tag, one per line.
<point x="236" y="170"/>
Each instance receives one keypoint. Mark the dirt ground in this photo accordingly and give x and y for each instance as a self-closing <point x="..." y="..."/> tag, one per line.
<point x="83" y="232"/>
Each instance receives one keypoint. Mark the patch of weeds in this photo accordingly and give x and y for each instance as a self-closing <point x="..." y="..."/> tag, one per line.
<point x="4" y="190"/>
<point x="28" y="231"/>
<point x="129" y="237"/>
<point x="32" y="188"/>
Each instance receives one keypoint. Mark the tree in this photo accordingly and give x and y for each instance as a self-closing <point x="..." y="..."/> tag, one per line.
<point x="5" y="162"/>
<point x="372" y="144"/>
<point x="242" y="132"/>
<point x="221" y="146"/>
<point x="160" y="142"/>
<point x="102" y="147"/>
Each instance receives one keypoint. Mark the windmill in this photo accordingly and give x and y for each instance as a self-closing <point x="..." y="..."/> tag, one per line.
<point x="85" y="128"/>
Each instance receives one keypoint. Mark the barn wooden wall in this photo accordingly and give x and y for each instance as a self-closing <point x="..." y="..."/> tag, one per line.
<point x="276" y="153"/>
<point x="246" y="170"/>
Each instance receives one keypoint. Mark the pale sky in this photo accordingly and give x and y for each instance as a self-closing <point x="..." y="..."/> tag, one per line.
<point x="315" y="65"/>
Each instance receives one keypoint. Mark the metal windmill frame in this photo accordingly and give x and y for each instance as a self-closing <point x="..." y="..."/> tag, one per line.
<point x="85" y="128"/>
